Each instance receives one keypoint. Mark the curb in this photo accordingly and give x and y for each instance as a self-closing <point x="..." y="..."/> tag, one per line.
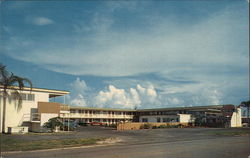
<point x="42" y="150"/>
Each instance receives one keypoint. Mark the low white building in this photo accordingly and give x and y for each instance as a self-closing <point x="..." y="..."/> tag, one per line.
<point x="26" y="113"/>
<point x="181" y="118"/>
<point x="36" y="109"/>
<point x="212" y="115"/>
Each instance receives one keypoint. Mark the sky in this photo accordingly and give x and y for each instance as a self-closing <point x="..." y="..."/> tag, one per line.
<point x="131" y="54"/>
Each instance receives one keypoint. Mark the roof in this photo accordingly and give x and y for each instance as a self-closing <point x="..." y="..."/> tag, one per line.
<point x="200" y="108"/>
<point x="207" y="107"/>
<point x="101" y="109"/>
<point x="52" y="92"/>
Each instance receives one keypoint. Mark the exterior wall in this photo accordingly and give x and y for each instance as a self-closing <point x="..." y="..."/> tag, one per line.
<point x="23" y="114"/>
<point x="46" y="116"/>
<point x="236" y="119"/>
<point x="46" y="107"/>
<point x="185" y="118"/>
<point x="35" y="127"/>
<point x="101" y="116"/>
<point x="93" y="115"/>
<point x="16" y="115"/>
<point x="153" y="118"/>
<point x="18" y="130"/>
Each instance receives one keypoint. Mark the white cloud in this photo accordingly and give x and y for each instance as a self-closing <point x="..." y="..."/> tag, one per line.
<point x="212" y="51"/>
<point x="146" y="95"/>
<point x="41" y="21"/>
<point x="134" y="97"/>
<point x="174" y="101"/>
<point x="205" y="93"/>
<point x="116" y="97"/>
<point x="165" y="45"/>
<point x="78" y="90"/>
<point x="78" y="101"/>
<point x="79" y="86"/>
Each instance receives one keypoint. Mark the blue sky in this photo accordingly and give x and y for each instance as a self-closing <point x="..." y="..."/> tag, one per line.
<point x="127" y="54"/>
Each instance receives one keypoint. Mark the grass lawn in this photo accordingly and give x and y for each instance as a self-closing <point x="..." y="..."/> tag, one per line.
<point x="11" y="144"/>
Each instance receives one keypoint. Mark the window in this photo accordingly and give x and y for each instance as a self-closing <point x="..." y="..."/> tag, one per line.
<point x="165" y="120"/>
<point x="31" y="97"/>
<point x="23" y="96"/>
<point x="158" y="119"/>
<point x="119" y="113"/>
<point x="72" y="111"/>
<point x="144" y="119"/>
<point x="26" y="96"/>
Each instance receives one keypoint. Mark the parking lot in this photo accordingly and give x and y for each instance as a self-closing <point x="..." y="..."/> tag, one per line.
<point x="174" y="142"/>
<point x="134" y="136"/>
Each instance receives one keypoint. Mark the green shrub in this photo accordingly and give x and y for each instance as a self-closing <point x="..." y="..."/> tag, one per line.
<point x="146" y="126"/>
<point x="154" y="127"/>
<point x="112" y="125"/>
<point x="53" y="122"/>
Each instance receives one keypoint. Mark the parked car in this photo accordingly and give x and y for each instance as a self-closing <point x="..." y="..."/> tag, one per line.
<point x="96" y="123"/>
<point x="71" y="124"/>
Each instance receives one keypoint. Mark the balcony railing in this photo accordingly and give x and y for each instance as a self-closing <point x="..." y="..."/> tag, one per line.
<point x="35" y="117"/>
<point x="64" y="107"/>
<point x="80" y="115"/>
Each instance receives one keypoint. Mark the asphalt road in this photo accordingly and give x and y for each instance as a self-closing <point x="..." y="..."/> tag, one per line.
<point x="160" y="143"/>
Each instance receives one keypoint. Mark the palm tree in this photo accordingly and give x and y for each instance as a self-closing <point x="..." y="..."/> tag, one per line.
<point x="13" y="83"/>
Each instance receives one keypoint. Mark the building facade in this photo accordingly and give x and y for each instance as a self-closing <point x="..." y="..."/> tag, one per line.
<point x="26" y="114"/>
<point x="36" y="109"/>
<point x="213" y="115"/>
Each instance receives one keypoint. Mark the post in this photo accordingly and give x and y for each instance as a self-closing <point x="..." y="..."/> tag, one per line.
<point x="64" y="99"/>
<point x="68" y="124"/>
<point x="63" y="122"/>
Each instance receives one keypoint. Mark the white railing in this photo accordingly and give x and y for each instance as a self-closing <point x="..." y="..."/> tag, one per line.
<point x="35" y="117"/>
<point x="25" y="117"/>
<point x="108" y="116"/>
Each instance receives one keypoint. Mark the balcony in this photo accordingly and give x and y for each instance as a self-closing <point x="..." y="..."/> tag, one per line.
<point x="104" y="116"/>
<point x="35" y="117"/>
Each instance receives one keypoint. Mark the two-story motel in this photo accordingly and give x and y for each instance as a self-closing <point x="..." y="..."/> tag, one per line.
<point x="36" y="109"/>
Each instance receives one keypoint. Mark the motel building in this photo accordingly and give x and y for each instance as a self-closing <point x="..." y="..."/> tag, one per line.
<point x="36" y="109"/>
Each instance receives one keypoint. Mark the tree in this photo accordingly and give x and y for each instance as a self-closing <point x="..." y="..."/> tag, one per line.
<point x="9" y="81"/>
<point x="53" y="123"/>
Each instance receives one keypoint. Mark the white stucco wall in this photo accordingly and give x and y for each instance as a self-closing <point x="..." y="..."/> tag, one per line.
<point x="185" y="118"/>
<point x="46" y="116"/>
<point x="182" y="118"/>
<point x="16" y="115"/>
<point x="236" y="120"/>
<point x="153" y="118"/>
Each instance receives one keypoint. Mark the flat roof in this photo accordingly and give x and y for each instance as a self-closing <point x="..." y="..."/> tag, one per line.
<point x="207" y="107"/>
<point x="52" y="92"/>
<point x="101" y="109"/>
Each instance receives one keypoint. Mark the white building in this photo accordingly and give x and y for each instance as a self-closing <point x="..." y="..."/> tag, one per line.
<point x="213" y="115"/>
<point x="36" y="109"/>
<point x="26" y="114"/>
<point x="181" y="118"/>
